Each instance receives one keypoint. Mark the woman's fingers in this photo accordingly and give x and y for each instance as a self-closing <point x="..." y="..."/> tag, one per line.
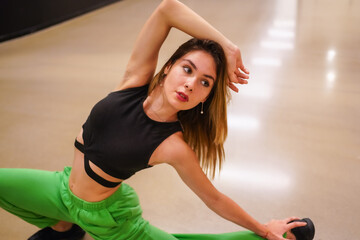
<point x="242" y="81"/>
<point x="291" y="219"/>
<point x="242" y="68"/>
<point x="291" y="225"/>
<point x="279" y="227"/>
<point x="237" y="80"/>
<point x="240" y="63"/>
<point x="237" y="77"/>
<point x="296" y="224"/>
<point x="242" y="74"/>
<point x="233" y="87"/>
<point x="237" y="72"/>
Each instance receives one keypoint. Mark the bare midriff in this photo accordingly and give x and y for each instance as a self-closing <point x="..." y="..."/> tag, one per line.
<point x="85" y="187"/>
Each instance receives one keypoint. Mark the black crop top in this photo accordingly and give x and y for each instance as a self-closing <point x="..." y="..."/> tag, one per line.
<point x="119" y="137"/>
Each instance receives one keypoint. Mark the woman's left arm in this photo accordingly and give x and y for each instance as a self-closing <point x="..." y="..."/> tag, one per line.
<point x="188" y="168"/>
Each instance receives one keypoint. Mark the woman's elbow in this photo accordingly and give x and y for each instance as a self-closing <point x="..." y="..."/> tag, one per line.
<point x="167" y="8"/>
<point x="213" y="199"/>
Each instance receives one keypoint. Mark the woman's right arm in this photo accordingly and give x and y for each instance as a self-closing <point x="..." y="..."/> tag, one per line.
<point x="172" y="13"/>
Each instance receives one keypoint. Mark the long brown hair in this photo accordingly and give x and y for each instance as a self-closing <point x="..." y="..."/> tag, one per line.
<point x="205" y="133"/>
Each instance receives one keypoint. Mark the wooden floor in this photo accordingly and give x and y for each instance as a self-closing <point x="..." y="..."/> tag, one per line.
<point x="294" y="130"/>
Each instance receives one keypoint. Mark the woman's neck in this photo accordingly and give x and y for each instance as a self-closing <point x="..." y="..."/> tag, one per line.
<point x="158" y="108"/>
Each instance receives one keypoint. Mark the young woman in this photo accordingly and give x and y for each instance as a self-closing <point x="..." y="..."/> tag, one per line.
<point x="177" y="117"/>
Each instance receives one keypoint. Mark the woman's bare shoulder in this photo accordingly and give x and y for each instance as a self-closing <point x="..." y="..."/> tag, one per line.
<point x="173" y="150"/>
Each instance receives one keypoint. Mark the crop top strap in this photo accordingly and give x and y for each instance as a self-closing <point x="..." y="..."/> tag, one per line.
<point x="79" y="146"/>
<point x="97" y="178"/>
<point x="91" y="173"/>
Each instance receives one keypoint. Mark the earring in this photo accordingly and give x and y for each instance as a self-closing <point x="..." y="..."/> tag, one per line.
<point x="202" y="108"/>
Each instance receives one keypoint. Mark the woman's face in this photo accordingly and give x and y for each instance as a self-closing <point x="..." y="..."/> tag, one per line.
<point x="189" y="80"/>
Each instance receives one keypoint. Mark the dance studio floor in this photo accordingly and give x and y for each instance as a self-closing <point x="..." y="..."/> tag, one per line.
<point x="294" y="131"/>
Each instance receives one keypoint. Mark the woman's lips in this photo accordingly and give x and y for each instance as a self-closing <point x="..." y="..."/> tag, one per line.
<point x="182" y="97"/>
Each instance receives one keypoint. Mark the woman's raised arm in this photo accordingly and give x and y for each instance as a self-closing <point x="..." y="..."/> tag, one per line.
<point x="172" y="13"/>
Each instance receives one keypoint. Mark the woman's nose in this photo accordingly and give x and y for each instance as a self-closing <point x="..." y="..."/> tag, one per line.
<point x="189" y="85"/>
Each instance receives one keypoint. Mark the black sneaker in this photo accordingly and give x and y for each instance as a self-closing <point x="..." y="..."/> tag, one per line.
<point x="306" y="232"/>
<point x="75" y="233"/>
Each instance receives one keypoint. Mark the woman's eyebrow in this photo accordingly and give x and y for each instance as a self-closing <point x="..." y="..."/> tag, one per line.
<point x="194" y="66"/>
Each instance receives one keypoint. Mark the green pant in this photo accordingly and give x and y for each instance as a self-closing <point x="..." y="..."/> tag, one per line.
<point x="42" y="198"/>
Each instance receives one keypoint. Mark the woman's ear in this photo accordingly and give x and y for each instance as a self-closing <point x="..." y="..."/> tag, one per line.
<point x="204" y="100"/>
<point x="210" y="94"/>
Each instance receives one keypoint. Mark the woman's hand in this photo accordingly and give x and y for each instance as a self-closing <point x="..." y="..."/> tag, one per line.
<point x="277" y="228"/>
<point x="236" y="70"/>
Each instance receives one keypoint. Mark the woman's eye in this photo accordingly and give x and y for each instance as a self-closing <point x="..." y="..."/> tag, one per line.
<point x="205" y="83"/>
<point x="187" y="69"/>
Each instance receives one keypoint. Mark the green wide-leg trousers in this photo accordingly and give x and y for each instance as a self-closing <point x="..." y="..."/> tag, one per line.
<point x="43" y="198"/>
